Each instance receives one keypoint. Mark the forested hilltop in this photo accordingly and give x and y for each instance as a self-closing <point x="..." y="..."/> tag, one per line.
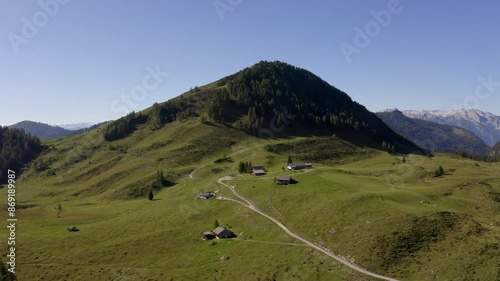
<point x="250" y="99"/>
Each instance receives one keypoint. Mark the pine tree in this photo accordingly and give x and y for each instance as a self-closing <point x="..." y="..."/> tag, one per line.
<point x="59" y="210"/>
<point x="150" y="195"/>
<point x="216" y="224"/>
<point x="404" y="159"/>
<point x="289" y="160"/>
<point x="5" y="274"/>
<point x="440" y="171"/>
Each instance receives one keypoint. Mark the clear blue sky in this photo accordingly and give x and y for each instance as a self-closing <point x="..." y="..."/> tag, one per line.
<point x="87" y="54"/>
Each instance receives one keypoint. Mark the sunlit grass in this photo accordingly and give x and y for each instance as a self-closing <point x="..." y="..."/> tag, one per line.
<point x="344" y="205"/>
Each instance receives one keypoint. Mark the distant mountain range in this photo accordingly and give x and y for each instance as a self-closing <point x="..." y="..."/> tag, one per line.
<point x="46" y="131"/>
<point x="76" y="126"/>
<point x="484" y="124"/>
<point x="434" y="136"/>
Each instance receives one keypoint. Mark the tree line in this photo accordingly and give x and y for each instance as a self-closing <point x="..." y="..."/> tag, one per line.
<point x="269" y="91"/>
<point x="482" y="158"/>
<point x="245" y="167"/>
<point x="124" y="126"/>
<point x="278" y="90"/>
<point x="178" y="109"/>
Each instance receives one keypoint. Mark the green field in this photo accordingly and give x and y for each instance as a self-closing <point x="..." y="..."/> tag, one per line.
<point x="390" y="217"/>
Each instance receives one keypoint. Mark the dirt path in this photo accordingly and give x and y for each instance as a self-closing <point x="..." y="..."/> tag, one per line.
<point x="191" y="175"/>
<point x="276" y="243"/>
<point x="250" y="205"/>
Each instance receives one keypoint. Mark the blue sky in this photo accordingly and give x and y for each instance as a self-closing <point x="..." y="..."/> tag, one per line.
<point x="88" y="60"/>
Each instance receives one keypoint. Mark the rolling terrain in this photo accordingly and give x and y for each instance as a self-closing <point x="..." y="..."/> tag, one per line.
<point x="380" y="209"/>
<point x="434" y="136"/>
<point x="45" y="131"/>
<point x="365" y="206"/>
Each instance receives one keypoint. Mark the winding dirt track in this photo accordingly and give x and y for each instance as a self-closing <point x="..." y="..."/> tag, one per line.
<point x="250" y="205"/>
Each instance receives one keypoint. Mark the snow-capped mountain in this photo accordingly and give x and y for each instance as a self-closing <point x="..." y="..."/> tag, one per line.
<point x="77" y="126"/>
<point x="433" y="136"/>
<point x="485" y="125"/>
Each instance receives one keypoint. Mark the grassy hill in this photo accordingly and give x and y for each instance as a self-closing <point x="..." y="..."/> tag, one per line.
<point x="495" y="150"/>
<point x="16" y="149"/>
<point x="361" y="203"/>
<point x="433" y="136"/>
<point x="387" y="215"/>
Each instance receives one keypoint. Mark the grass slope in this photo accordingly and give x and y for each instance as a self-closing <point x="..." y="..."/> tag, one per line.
<point x="361" y="203"/>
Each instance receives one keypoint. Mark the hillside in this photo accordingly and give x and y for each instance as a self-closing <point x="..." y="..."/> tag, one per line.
<point x="16" y="150"/>
<point x="382" y="211"/>
<point x="270" y="99"/>
<point x="45" y="131"/>
<point x="483" y="124"/>
<point x="361" y="203"/>
<point x="434" y="136"/>
<point x="495" y="150"/>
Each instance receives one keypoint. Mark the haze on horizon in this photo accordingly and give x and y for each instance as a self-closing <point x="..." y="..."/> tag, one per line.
<point x="82" y="61"/>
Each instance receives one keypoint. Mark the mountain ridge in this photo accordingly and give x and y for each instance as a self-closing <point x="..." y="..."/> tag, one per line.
<point x="434" y="136"/>
<point x="75" y="126"/>
<point x="45" y="131"/>
<point x="484" y="124"/>
<point x="266" y="96"/>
